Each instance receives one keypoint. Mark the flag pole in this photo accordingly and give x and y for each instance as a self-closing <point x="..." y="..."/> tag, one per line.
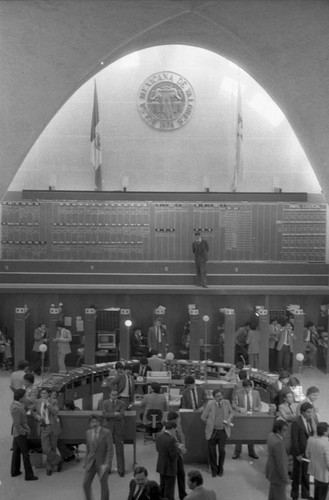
<point x="237" y="175"/>
<point x="95" y="139"/>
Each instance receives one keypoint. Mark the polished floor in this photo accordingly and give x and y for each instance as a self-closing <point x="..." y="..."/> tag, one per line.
<point x="243" y="479"/>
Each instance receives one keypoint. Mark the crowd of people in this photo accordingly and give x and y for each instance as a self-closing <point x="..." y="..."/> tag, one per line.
<point x="281" y="344"/>
<point x="297" y="447"/>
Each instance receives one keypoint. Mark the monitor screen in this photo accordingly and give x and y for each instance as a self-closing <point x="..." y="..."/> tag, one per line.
<point x="106" y="340"/>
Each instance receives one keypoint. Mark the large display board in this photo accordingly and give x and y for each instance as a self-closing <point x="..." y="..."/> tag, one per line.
<point x="162" y="231"/>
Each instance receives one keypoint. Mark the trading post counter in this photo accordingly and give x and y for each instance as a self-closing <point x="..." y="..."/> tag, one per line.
<point x="74" y="425"/>
<point x="253" y="428"/>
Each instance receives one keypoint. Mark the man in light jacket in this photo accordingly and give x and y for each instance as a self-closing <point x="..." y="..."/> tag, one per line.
<point x="217" y="416"/>
<point x="317" y="451"/>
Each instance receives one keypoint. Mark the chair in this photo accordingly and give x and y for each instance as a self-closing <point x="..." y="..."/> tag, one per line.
<point x="155" y="417"/>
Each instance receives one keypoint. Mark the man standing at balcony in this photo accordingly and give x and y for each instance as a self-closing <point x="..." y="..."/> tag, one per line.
<point x="200" y="249"/>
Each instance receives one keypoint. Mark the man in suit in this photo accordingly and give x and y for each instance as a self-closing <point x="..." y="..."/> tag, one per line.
<point x="301" y="429"/>
<point x="63" y="339"/>
<point x="241" y="346"/>
<point x="168" y="452"/>
<point x="246" y="400"/>
<point x="17" y="377"/>
<point x="310" y="349"/>
<point x="285" y="347"/>
<point x="31" y="390"/>
<point x="45" y="411"/>
<point x="312" y="395"/>
<point x="20" y="431"/>
<point x="193" y="397"/>
<point x="124" y="383"/>
<point x="173" y="416"/>
<point x="288" y="409"/>
<point x="200" y="249"/>
<point x="99" y="455"/>
<point x="141" y="488"/>
<point x="39" y="339"/>
<point x="217" y="416"/>
<point x="195" y="482"/>
<point x="276" y="469"/>
<point x="114" y="420"/>
<point x="156" y="364"/>
<point x="138" y="345"/>
<point x="140" y="370"/>
<point x="317" y="451"/>
<point x="157" y="337"/>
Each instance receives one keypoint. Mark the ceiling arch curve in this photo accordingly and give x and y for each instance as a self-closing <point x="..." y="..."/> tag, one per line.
<point x="50" y="48"/>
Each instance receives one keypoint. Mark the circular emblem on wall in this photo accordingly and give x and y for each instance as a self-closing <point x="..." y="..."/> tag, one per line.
<point x="166" y="100"/>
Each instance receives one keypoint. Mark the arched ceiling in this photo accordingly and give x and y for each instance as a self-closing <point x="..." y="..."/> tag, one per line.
<point x="49" y="48"/>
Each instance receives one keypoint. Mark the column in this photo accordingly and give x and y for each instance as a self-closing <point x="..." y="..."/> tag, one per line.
<point x="229" y="333"/>
<point x="264" y="339"/>
<point x="55" y="314"/>
<point x="299" y="318"/>
<point x="195" y="329"/>
<point x="90" y="336"/>
<point x="21" y="315"/>
<point x="124" y="334"/>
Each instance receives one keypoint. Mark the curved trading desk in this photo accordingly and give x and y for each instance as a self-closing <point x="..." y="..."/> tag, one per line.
<point x="83" y="383"/>
<point x="253" y="428"/>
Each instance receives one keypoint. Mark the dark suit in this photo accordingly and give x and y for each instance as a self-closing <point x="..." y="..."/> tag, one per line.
<point x="48" y="433"/>
<point x="119" y="383"/>
<point x="116" y="424"/>
<point x="188" y="403"/>
<point x="151" y="491"/>
<point x="138" y="345"/>
<point x="299" y="437"/>
<point x="20" y="446"/>
<point x="277" y="467"/>
<point x="153" y="339"/>
<point x="239" y="404"/>
<point x="98" y="452"/>
<point x="168" y="453"/>
<point x="200" y="251"/>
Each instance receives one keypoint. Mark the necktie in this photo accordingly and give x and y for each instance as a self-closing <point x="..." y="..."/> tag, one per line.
<point x="248" y="403"/>
<point x="159" y="334"/>
<point x="194" y="400"/>
<point x="137" y="492"/>
<point x="289" y="404"/>
<point x="94" y="436"/>
<point x="45" y="414"/>
<point x="309" y="427"/>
